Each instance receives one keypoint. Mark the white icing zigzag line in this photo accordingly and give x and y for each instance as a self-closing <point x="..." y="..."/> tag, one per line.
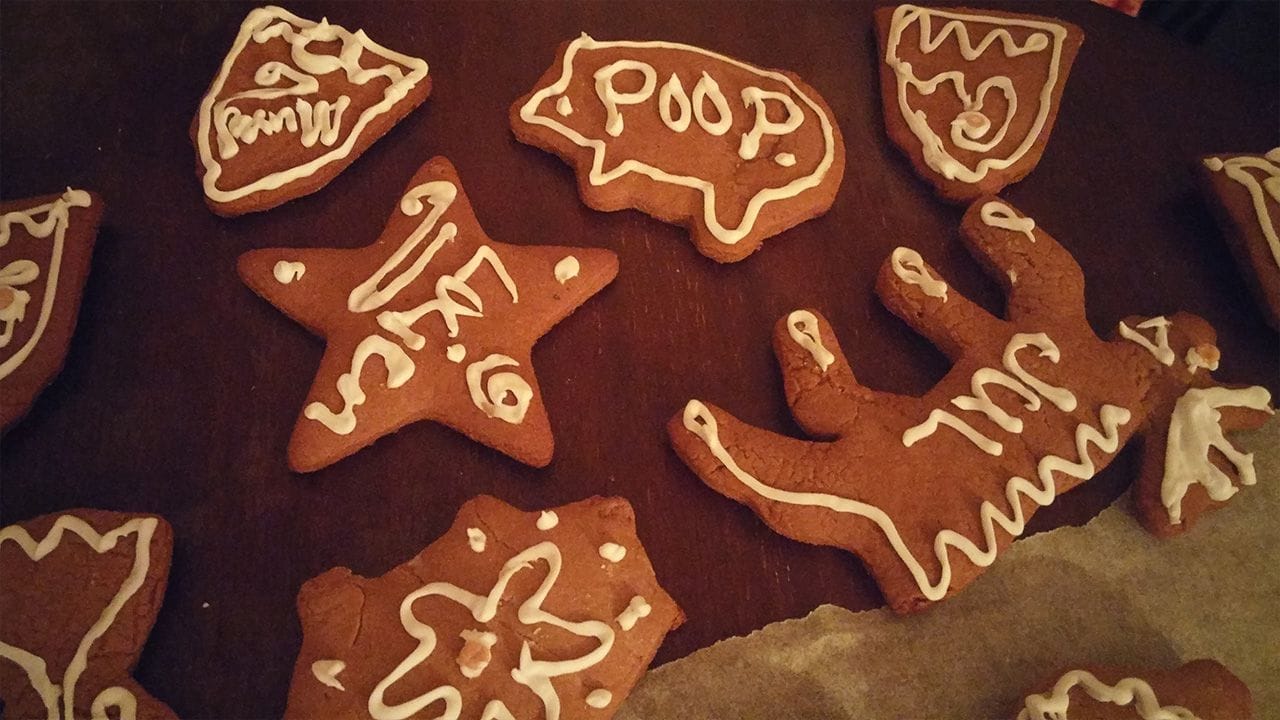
<point x="37" y="672"/>
<point x="257" y="27"/>
<point x="728" y="236"/>
<point x="55" y="223"/>
<point x="534" y="674"/>
<point x="1237" y="169"/>
<point x="699" y="421"/>
<point x="1129" y="691"/>
<point x="1160" y="348"/>
<point x="935" y="156"/>
<point x="1195" y="430"/>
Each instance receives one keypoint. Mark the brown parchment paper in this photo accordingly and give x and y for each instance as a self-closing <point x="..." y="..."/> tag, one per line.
<point x="1107" y="593"/>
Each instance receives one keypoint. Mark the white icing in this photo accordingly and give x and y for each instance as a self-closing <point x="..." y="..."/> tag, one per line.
<point x="476" y="652"/>
<point x="611" y="98"/>
<point x="536" y="674"/>
<point x="636" y="609"/>
<point x="567" y="269"/>
<point x="492" y="398"/>
<point x="706" y="89"/>
<point x="673" y="90"/>
<point x="564" y="106"/>
<point x="599" y="698"/>
<point x="1129" y="691"/>
<point x="979" y="401"/>
<point x="1195" y="360"/>
<point x="1160" y="347"/>
<point x="971" y="125"/>
<point x="320" y="120"/>
<point x="785" y="159"/>
<point x="326" y="671"/>
<point x="1237" y="168"/>
<point x="21" y="272"/>
<point x="699" y="421"/>
<point x="36" y="668"/>
<point x="910" y="269"/>
<point x="613" y="552"/>
<point x="998" y="215"/>
<point x="286" y="272"/>
<point x="1195" y="429"/>
<point x="547" y="520"/>
<point x="456" y="353"/>
<point x="802" y="326"/>
<point x="754" y="96"/>
<point x="476" y="539"/>
<point x="399" y="369"/>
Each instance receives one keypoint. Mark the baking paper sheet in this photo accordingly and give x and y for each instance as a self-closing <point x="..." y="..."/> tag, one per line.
<point x="1107" y="593"/>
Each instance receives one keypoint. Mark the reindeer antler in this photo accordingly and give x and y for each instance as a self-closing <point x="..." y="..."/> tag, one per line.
<point x="1034" y="405"/>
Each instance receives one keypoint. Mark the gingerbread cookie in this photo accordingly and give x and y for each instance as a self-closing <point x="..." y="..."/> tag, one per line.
<point x="1244" y="191"/>
<point x="45" y="247"/>
<point x="434" y="321"/>
<point x="970" y="96"/>
<point x="295" y="103"/>
<point x="1199" y="690"/>
<point x="79" y="595"/>
<point x="928" y="490"/>
<point x="510" y="614"/>
<point x="734" y="152"/>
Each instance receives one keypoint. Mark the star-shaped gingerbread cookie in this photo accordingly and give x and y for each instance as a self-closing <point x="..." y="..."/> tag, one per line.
<point x="433" y="321"/>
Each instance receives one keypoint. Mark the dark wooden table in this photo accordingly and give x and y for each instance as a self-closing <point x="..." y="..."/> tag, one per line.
<point x="181" y="386"/>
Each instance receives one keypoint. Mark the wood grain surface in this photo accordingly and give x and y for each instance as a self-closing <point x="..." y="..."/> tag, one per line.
<point x="181" y="386"/>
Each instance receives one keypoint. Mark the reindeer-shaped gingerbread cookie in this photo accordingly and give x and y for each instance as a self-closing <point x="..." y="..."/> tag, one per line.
<point x="928" y="490"/>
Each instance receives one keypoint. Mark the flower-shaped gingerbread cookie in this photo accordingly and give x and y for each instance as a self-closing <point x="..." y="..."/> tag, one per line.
<point x="928" y="490"/>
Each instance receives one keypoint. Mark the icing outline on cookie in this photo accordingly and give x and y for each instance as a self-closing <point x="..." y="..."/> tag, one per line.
<point x="1237" y="168"/>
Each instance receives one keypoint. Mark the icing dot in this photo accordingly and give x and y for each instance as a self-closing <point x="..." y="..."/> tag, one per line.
<point x="567" y="269"/>
<point x="476" y="652"/>
<point x="563" y="106"/>
<point x="599" y="698"/>
<point x="326" y="671"/>
<point x="548" y="519"/>
<point x="613" y="552"/>
<point x="286" y="272"/>
<point x="455" y="353"/>
<point x="973" y="124"/>
<point x="7" y="296"/>
<point x="785" y="159"/>
<point x="476" y="539"/>
<point x="636" y="609"/>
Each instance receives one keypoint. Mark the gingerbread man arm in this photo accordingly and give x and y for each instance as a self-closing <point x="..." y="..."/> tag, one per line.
<point x="915" y="292"/>
<point x="1040" y="278"/>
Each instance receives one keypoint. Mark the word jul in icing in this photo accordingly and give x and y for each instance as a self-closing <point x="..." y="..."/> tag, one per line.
<point x="684" y="105"/>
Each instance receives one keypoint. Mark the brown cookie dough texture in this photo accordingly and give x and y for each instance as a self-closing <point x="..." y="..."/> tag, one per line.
<point x="434" y="321"/>
<point x="1244" y="191"/>
<point x="79" y="592"/>
<point x="294" y="103"/>
<point x="970" y="96"/>
<point x="734" y="152"/>
<point x="511" y="614"/>
<point x="928" y="490"/>
<point x="45" y="247"/>
<point x="1200" y="689"/>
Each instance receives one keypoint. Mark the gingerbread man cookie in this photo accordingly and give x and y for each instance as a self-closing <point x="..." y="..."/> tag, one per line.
<point x="294" y="103"/>
<point x="45" y="247"/>
<point x="552" y="614"/>
<point x="734" y="152"/>
<point x="928" y="490"/>
<point x="80" y="592"/>
<point x="434" y="321"/>
<point x="1244" y="191"/>
<point x="970" y="96"/>
<point x="1199" y="690"/>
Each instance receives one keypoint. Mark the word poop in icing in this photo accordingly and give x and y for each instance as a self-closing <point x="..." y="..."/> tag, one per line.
<point x="433" y="321"/>
<point x="928" y="490"/>
<point x="754" y="144"/>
